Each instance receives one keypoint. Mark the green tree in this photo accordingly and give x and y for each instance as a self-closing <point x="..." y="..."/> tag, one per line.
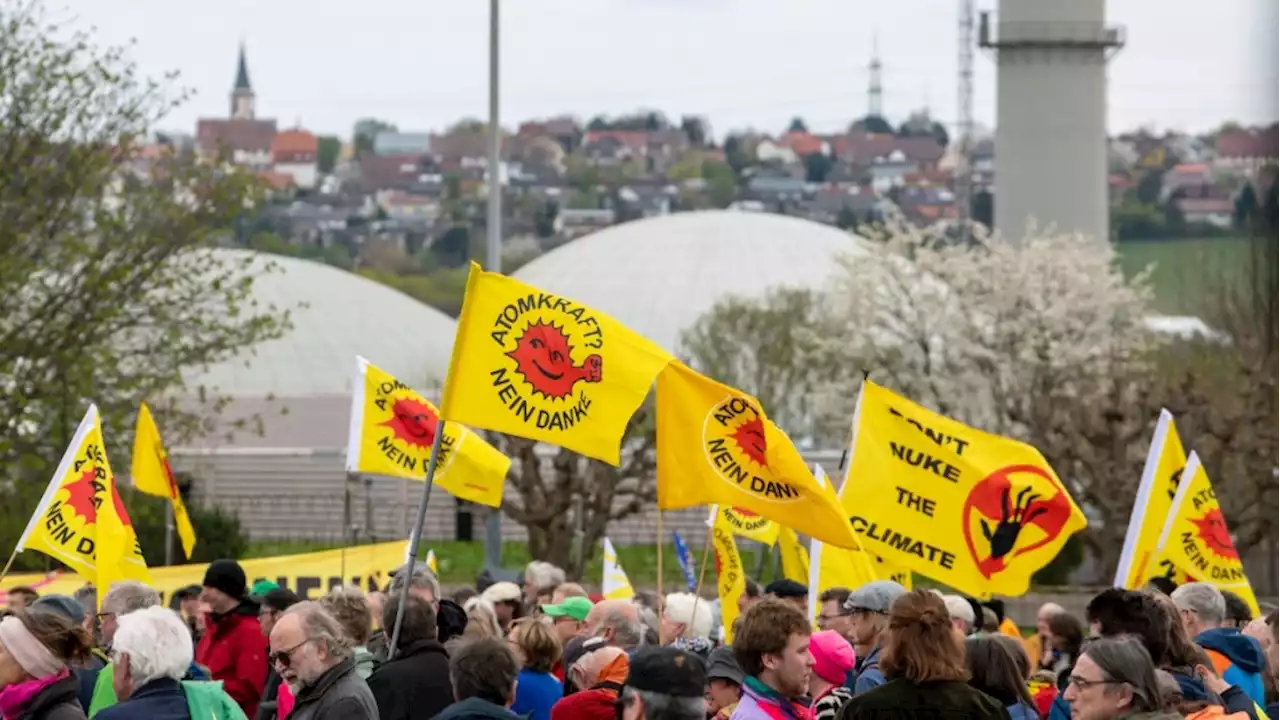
<point x="816" y="167"/>
<point x="797" y="125"/>
<point x="109" y="289"/>
<point x="722" y="184"/>
<point x="544" y="219"/>
<point x="365" y="131"/>
<point x="876" y="124"/>
<point x="327" y="155"/>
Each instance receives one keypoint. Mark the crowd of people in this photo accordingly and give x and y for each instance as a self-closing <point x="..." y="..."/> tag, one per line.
<point x="551" y="651"/>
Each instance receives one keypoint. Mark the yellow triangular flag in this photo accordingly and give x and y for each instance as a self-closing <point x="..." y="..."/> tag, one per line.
<point x="432" y="563"/>
<point x="81" y="521"/>
<point x="1196" y="539"/>
<point x="795" y="559"/>
<point x="616" y="586"/>
<point x="746" y="524"/>
<point x="731" y="579"/>
<point x="1160" y="476"/>
<point x="153" y="475"/>
<point x="392" y="431"/>
<point x="536" y="365"/>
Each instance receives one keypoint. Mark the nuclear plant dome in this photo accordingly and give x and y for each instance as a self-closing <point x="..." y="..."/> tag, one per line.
<point x="335" y="316"/>
<point x="659" y="275"/>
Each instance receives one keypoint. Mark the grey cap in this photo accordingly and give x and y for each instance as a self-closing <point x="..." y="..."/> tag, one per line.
<point x="67" y="607"/>
<point x="723" y="665"/>
<point x="875" y="597"/>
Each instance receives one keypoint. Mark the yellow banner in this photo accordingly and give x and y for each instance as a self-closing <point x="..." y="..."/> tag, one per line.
<point x="978" y="512"/>
<point x="393" y="429"/>
<point x="153" y="475"/>
<point x="746" y="524"/>
<point x="795" y="559"/>
<point x="536" y="365"/>
<point x="716" y="447"/>
<point x="1165" y="462"/>
<point x="1196" y="538"/>
<point x="311" y="575"/>
<point x="81" y="520"/>
<point x="731" y="579"/>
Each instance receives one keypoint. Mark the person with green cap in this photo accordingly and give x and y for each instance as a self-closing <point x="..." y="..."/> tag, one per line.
<point x="569" y="617"/>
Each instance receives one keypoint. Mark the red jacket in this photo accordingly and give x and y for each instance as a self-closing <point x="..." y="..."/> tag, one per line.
<point x="235" y="651"/>
<point x="586" y="705"/>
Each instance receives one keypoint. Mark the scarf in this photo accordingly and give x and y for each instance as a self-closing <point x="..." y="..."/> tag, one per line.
<point x="773" y="703"/>
<point x="699" y="646"/>
<point x="15" y="698"/>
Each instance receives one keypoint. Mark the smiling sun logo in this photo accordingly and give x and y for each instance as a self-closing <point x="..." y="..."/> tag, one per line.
<point x="1213" y="531"/>
<point x="543" y="357"/>
<point x="413" y="422"/>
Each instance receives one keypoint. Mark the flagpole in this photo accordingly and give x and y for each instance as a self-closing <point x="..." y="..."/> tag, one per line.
<point x="168" y="534"/>
<point x="702" y="573"/>
<point x="660" y="595"/>
<point x="416" y="537"/>
<point x="8" y="565"/>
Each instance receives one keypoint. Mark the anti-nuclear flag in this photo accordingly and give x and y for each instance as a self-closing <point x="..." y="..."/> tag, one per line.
<point x="1195" y="537"/>
<point x="795" y="559"/>
<point x="975" y="511"/>
<point x="153" y="475"/>
<point x="731" y="579"/>
<point x="749" y="525"/>
<point x="81" y="521"/>
<point x="393" y="429"/>
<point x="536" y="365"/>
<point x="835" y="567"/>
<point x="716" y="447"/>
<point x="616" y="585"/>
<point x="1160" y="476"/>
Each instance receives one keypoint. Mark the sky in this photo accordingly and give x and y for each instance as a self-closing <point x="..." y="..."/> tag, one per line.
<point x="423" y="64"/>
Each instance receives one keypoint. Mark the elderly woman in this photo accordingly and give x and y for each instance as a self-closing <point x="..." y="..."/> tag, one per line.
<point x="150" y="655"/>
<point x="602" y="672"/>
<point x="348" y="605"/>
<point x="35" y="682"/>
<point x="686" y="623"/>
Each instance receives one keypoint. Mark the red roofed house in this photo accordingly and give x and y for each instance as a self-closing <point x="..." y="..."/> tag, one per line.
<point x="296" y="153"/>
<point x="242" y="138"/>
<point x="607" y="147"/>
<point x="1247" y="150"/>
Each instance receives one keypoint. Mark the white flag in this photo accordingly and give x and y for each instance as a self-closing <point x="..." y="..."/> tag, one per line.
<point x="616" y="586"/>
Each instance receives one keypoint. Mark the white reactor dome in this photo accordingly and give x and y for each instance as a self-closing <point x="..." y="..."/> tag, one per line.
<point x="335" y="316"/>
<point x="659" y="275"/>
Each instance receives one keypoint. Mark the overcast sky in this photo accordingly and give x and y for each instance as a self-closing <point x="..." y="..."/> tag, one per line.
<point x="743" y="63"/>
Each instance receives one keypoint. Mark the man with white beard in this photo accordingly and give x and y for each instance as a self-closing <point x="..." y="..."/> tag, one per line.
<point x="308" y="652"/>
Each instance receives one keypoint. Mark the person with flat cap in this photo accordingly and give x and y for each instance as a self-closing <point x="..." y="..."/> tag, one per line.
<point x="665" y="682"/>
<point x="724" y="683"/>
<point x="791" y="591"/>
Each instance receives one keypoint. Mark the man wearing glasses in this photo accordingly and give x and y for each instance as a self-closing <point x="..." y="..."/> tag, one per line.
<point x="308" y="652"/>
<point x="868" y="610"/>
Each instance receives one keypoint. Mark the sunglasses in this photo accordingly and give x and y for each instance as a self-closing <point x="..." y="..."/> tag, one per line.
<point x="284" y="658"/>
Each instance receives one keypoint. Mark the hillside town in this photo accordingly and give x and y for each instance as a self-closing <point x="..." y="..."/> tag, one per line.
<point x="400" y="201"/>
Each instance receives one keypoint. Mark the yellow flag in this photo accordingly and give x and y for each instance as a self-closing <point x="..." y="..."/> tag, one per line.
<point x="831" y="567"/>
<point x="749" y="525"/>
<point x="715" y="446"/>
<point x="1195" y="537"/>
<point x="393" y="429"/>
<point x="795" y="559"/>
<point x="1160" y="476"/>
<point x="153" y="475"/>
<point x="978" y="512"/>
<point x="81" y="521"/>
<point x="616" y="585"/>
<point x="433" y="563"/>
<point x="731" y="579"/>
<point x="536" y="365"/>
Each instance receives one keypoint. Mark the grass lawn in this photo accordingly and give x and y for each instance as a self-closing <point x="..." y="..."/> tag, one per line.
<point x="460" y="562"/>
<point x="1185" y="269"/>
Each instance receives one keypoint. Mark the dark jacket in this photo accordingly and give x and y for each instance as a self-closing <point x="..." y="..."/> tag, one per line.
<point x="451" y="620"/>
<point x="161" y="699"/>
<point x="59" y="701"/>
<point x="415" y="684"/>
<point x="942" y="700"/>
<point x="338" y="694"/>
<point x="235" y="651"/>
<point x="866" y="673"/>
<point x="1237" y="658"/>
<point x="87" y="676"/>
<point x="270" y="696"/>
<point x="476" y="709"/>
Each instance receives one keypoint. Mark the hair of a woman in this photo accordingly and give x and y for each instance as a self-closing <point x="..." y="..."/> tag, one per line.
<point x="1180" y="652"/>
<point x="348" y="605"/>
<point x="538" y="641"/>
<point x="997" y="668"/>
<point x="1068" y="633"/>
<point x="921" y="644"/>
<point x="482" y="621"/>
<point x="66" y="640"/>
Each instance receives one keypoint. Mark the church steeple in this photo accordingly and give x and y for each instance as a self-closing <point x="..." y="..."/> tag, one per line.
<point x="242" y="96"/>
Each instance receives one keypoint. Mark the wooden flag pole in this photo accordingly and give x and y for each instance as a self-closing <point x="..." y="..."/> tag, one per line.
<point x="9" y="565"/>
<point x="416" y="537"/>
<point x="702" y="572"/>
<point x="661" y="640"/>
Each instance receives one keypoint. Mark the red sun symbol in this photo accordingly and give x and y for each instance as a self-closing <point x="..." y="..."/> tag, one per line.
<point x="743" y="512"/>
<point x="542" y="356"/>
<point x="119" y="504"/>
<point x="413" y="422"/>
<point x="82" y="496"/>
<point x="1213" y="531"/>
<point x="750" y="438"/>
